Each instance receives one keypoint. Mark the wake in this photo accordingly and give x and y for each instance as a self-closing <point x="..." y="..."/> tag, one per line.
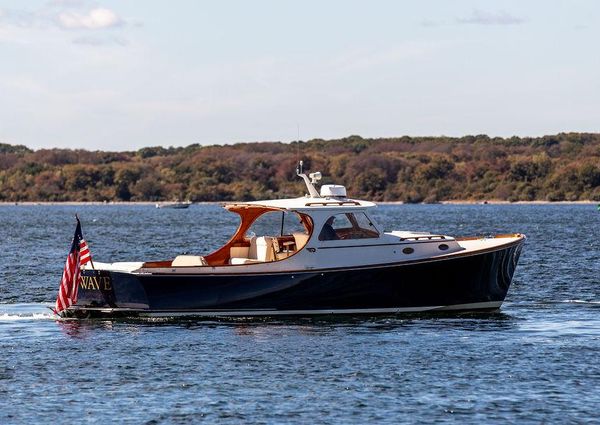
<point x="23" y="312"/>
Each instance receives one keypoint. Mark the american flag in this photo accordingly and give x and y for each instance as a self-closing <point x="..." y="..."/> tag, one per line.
<point x="84" y="252"/>
<point x="69" y="284"/>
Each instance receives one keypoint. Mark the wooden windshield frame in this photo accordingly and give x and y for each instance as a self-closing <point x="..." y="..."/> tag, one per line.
<point x="248" y="215"/>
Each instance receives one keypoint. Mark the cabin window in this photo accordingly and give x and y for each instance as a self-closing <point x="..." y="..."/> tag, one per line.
<point x="348" y="226"/>
<point x="270" y="223"/>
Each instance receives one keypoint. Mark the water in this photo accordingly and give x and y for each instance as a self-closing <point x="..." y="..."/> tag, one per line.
<point x="536" y="361"/>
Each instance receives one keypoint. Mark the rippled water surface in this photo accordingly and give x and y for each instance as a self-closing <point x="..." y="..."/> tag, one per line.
<point x="536" y="361"/>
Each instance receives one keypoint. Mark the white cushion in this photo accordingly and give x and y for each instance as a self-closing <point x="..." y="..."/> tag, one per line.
<point x="188" y="261"/>
<point x="237" y="261"/>
<point x="252" y="249"/>
<point x="265" y="249"/>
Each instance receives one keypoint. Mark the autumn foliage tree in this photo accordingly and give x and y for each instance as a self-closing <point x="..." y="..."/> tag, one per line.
<point x="562" y="167"/>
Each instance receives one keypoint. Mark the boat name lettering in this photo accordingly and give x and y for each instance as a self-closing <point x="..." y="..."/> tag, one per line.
<point x="95" y="283"/>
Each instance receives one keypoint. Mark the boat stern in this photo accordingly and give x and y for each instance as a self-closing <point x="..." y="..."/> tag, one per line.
<point x="103" y="291"/>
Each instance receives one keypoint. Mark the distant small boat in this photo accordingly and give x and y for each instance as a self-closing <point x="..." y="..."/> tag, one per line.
<point x="175" y="205"/>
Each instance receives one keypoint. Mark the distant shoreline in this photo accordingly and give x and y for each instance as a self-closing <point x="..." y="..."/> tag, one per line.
<point x="76" y="203"/>
<point x="495" y="202"/>
<point x="452" y="202"/>
<point x="522" y="202"/>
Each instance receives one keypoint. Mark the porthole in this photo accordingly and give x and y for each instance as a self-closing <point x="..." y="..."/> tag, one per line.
<point x="443" y="247"/>
<point x="408" y="250"/>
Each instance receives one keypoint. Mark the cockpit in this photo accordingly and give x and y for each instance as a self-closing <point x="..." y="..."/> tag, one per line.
<point x="271" y="231"/>
<point x="265" y="234"/>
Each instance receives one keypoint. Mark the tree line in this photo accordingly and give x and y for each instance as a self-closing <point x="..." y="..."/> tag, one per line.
<point x="562" y="167"/>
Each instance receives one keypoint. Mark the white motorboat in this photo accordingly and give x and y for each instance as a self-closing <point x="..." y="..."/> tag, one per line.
<point x="323" y="254"/>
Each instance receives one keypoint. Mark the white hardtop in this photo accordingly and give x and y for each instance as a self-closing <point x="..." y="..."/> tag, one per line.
<point x="307" y="204"/>
<point x="331" y="197"/>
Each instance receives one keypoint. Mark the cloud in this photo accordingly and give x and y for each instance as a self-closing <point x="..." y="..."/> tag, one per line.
<point x="29" y="26"/>
<point x="99" y="18"/>
<point x="68" y="16"/>
<point x="480" y="17"/>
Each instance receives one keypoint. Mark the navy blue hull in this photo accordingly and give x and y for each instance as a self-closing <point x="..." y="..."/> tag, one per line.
<point x="482" y="279"/>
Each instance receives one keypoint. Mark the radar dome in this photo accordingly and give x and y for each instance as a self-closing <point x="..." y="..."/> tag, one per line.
<point x="333" y="191"/>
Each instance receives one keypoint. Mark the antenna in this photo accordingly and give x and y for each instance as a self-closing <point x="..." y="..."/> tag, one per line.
<point x="314" y="178"/>
<point x="298" y="144"/>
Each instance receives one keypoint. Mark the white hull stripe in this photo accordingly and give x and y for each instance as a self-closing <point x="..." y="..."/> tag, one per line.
<point x="266" y="312"/>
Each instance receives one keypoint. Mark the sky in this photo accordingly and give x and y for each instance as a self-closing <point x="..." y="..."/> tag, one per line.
<point x="121" y="75"/>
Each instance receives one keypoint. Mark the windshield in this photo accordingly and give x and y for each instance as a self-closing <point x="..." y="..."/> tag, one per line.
<point x="348" y="226"/>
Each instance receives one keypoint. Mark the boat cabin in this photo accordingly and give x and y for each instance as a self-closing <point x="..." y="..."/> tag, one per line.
<point x="276" y="230"/>
<point x="323" y="229"/>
